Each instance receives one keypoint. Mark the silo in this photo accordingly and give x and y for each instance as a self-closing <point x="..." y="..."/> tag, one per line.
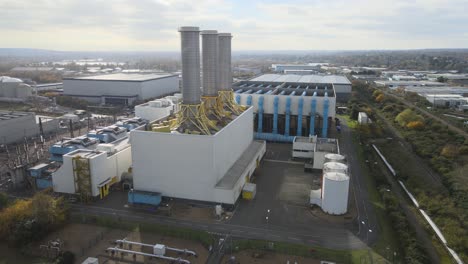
<point x="190" y="47"/>
<point x="9" y="89"/>
<point x="331" y="157"/>
<point x="23" y="90"/>
<point x="335" y="167"/>
<point x="210" y="62"/>
<point x="335" y="189"/>
<point x="224" y="62"/>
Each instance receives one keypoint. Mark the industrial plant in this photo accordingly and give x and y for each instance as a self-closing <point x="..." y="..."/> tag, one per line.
<point x="210" y="135"/>
<point x="205" y="143"/>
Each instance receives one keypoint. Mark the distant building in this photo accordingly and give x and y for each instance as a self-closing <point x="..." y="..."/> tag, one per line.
<point x="288" y="67"/>
<point x="340" y="84"/>
<point x="15" y="126"/>
<point x="396" y="84"/>
<point x="119" y="88"/>
<point x="447" y="100"/>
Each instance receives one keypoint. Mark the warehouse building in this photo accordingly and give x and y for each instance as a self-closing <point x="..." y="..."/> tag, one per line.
<point x="120" y="88"/>
<point x="282" y="68"/>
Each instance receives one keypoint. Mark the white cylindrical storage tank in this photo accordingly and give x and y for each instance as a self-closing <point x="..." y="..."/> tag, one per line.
<point x="331" y="157"/>
<point x="23" y="91"/>
<point x="335" y="167"/>
<point x="9" y="89"/>
<point x="335" y="190"/>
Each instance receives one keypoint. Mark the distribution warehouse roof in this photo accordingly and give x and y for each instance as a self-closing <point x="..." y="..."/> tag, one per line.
<point x="132" y="77"/>
<point x="333" y="79"/>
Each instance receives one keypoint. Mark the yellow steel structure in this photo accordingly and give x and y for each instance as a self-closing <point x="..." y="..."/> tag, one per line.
<point x="82" y="177"/>
<point x="226" y="102"/>
<point x="194" y="115"/>
<point x="211" y="107"/>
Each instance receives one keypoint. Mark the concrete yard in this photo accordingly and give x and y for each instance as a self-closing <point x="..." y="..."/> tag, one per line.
<point x="284" y="188"/>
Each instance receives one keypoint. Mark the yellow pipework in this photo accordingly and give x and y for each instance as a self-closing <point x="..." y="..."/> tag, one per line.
<point x="211" y="106"/>
<point x="195" y="115"/>
<point x="226" y="102"/>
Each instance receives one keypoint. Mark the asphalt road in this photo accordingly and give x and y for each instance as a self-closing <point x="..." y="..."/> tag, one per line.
<point x="368" y="229"/>
<point x="340" y="239"/>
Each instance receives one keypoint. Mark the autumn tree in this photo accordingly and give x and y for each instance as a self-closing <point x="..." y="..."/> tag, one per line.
<point x="408" y="116"/>
<point x="379" y="98"/>
<point x="449" y="151"/>
<point x="416" y="125"/>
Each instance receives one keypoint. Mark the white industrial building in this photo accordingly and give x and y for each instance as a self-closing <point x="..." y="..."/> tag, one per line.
<point x="92" y="172"/>
<point x="211" y="168"/>
<point x="15" y="126"/>
<point x="340" y="84"/>
<point x="207" y="151"/>
<point x="291" y="105"/>
<point x="121" y="88"/>
<point x="159" y="108"/>
<point x="314" y="149"/>
<point x="13" y="89"/>
<point x="446" y="100"/>
<point x="404" y="84"/>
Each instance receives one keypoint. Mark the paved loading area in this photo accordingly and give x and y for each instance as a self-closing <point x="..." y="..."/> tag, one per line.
<point x="284" y="188"/>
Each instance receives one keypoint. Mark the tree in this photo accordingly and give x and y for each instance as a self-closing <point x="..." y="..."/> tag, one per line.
<point x="3" y="200"/>
<point x="442" y="79"/>
<point x="415" y="125"/>
<point x="379" y="98"/>
<point x="407" y="116"/>
<point x="449" y="151"/>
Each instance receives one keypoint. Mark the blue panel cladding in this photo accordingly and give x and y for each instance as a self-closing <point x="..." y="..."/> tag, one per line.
<point x="325" y="117"/>
<point x="299" y="116"/>
<point x="274" y="137"/>
<point x="249" y="100"/>
<point x="43" y="183"/>
<point x="313" y="110"/>
<point x="145" y="198"/>
<point x="238" y="99"/>
<point x="275" y="115"/>
<point x="288" y="116"/>
<point x="260" y="115"/>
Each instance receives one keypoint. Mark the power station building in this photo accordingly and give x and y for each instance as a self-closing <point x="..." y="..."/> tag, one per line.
<point x="292" y="105"/>
<point x="120" y="88"/>
<point x="206" y="151"/>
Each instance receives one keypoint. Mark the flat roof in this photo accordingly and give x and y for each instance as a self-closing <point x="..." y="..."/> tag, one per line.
<point x="236" y="170"/>
<point x="130" y="77"/>
<point x="308" y="78"/>
<point x="7" y="115"/>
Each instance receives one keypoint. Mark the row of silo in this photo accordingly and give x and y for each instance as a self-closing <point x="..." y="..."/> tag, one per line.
<point x="335" y="185"/>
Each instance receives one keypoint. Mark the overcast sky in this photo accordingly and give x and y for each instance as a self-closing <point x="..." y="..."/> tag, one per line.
<point x="151" y="25"/>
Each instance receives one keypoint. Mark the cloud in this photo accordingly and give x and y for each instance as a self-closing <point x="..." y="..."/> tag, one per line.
<point x="152" y="24"/>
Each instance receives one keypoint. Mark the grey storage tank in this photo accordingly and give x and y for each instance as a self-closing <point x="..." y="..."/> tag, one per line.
<point x="190" y="47"/>
<point x="210" y="62"/>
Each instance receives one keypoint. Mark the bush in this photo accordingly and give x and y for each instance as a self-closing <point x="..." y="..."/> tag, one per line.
<point x="415" y="125"/>
<point x="449" y="151"/>
<point x="66" y="258"/>
<point x="407" y="116"/>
